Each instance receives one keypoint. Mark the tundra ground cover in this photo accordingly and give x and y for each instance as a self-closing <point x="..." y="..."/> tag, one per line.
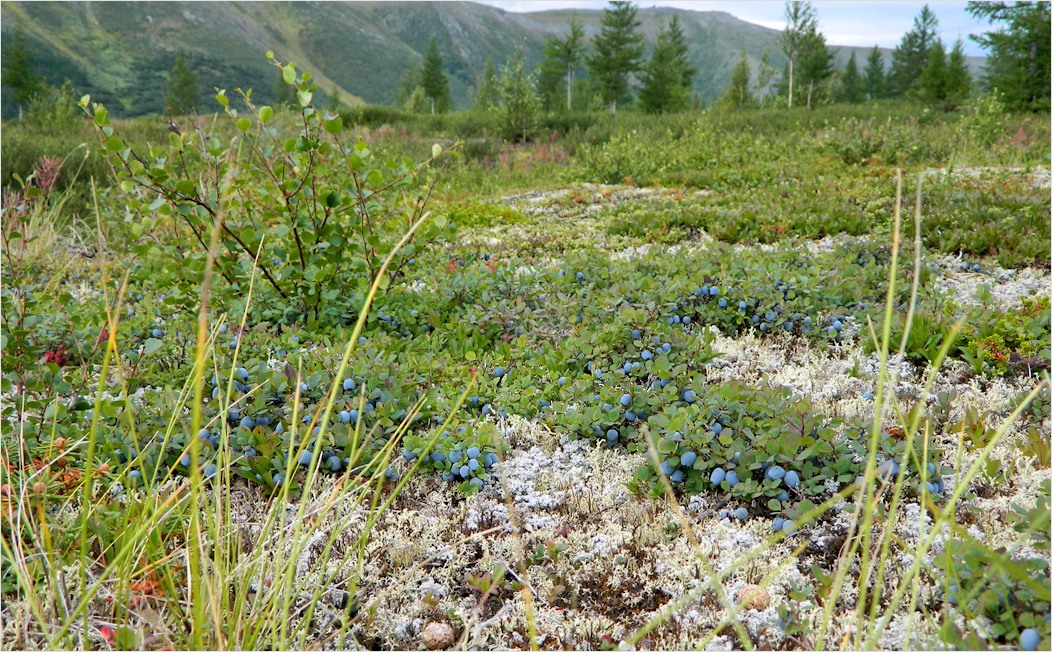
<point x="586" y="413"/>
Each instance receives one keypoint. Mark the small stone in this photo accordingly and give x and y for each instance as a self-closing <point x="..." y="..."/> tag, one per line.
<point x="752" y="596"/>
<point x="437" y="636"/>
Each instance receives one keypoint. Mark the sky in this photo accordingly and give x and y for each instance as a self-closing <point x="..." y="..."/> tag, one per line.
<point x="843" y="23"/>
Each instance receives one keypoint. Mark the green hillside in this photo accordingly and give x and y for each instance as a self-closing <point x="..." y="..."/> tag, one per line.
<point x="121" y="52"/>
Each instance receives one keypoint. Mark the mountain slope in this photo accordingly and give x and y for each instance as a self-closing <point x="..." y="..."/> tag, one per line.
<point x="121" y="52"/>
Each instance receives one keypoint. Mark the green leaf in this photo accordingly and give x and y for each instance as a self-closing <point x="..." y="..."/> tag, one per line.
<point x="375" y="178"/>
<point x="157" y="203"/>
<point x="175" y="141"/>
<point x="470" y="356"/>
<point x="152" y="346"/>
<point x="186" y="187"/>
<point x="304" y="97"/>
<point x="288" y="73"/>
<point x="441" y="221"/>
<point x="334" y="126"/>
<point x="265" y="114"/>
<point x="244" y="124"/>
<point x="436" y="149"/>
<point x="222" y="98"/>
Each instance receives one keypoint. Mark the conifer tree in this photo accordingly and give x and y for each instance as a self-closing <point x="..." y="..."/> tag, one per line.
<point x="875" y="81"/>
<point x="182" y="88"/>
<point x="434" y="80"/>
<point x="618" y="49"/>
<point x="18" y="73"/>
<point x="667" y="77"/>
<point x="1019" y="63"/>
<point x="487" y="92"/>
<point x="911" y="56"/>
<point x="931" y="86"/>
<point x="958" y="78"/>
<point x="851" y="90"/>
<point x="520" y="105"/>
<point x="738" y="95"/>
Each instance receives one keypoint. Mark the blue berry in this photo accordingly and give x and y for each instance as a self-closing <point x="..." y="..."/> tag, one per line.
<point x="1028" y="638"/>
<point x="473" y="452"/>
<point x="867" y="396"/>
<point x="348" y="385"/>
<point x="666" y="347"/>
<point x="636" y="335"/>
<point x="465" y="471"/>
<point x="742" y="305"/>
<point x="716" y="428"/>
<point x="741" y="513"/>
<point x="775" y="473"/>
<point x="306" y="457"/>
<point x="247" y="423"/>
<point x="777" y="523"/>
<point x="626" y="400"/>
<point x="789" y="526"/>
<point x="408" y="454"/>
<point x="437" y="457"/>
<point x="718" y="476"/>
<point x="304" y="387"/>
<point x="334" y="463"/>
<point x="580" y="276"/>
<point x="157" y="332"/>
<point x="677" y="476"/>
<point x="688" y="458"/>
<point x="454" y="456"/>
<point x="646" y="355"/>
<point x="690" y="396"/>
<point x="562" y="381"/>
<point x="686" y="321"/>
<point x="611" y="437"/>
<point x="722" y="303"/>
<point x="477" y="482"/>
<point x="732" y="479"/>
<point x="666" y="468"/>
<point x="498" y="372"/>
<point x="714" y="291"/>
<point x="210" y="470"/>
<point x="792" y="479"/>
<point x="783" y="495"/>
<point x="473" y="465"/>
<point x="185" y="460"/>
<point x="888" y="469"/>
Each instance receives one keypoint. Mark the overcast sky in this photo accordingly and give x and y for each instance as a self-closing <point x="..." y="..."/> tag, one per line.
<point x="843" y="23"/>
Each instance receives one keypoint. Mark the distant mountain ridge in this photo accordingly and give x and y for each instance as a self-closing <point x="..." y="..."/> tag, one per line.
<point x="121" y="52"/>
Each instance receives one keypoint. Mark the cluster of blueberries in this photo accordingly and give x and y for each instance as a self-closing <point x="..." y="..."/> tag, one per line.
<point x="457" y="461"/>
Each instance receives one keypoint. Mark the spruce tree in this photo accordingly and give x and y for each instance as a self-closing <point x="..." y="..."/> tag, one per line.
<point x="931" y="86"/>
<point x="618" y="49"/>
<point x="815" y="67"/>
<point x="487" y="92"/>
<point x="738" y="95"/>
<point x="1019" y="52"/>
<point x="520" y="105"/>
<point x="182" y="88"/>
<point x="18" y="73"/>
<point x="434" y="80"/>
<point x="764" y="76"/>
<point x="851" y="90"/>
<point x="958" y="78"/>
<point x="875" y="81"/>
<point x="911" y="56"/>
<point x="667" y="77"/>
<point x="562" y="56"/>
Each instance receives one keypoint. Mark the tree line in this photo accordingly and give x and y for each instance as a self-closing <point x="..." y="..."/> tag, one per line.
<point x="610" y="72"/>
